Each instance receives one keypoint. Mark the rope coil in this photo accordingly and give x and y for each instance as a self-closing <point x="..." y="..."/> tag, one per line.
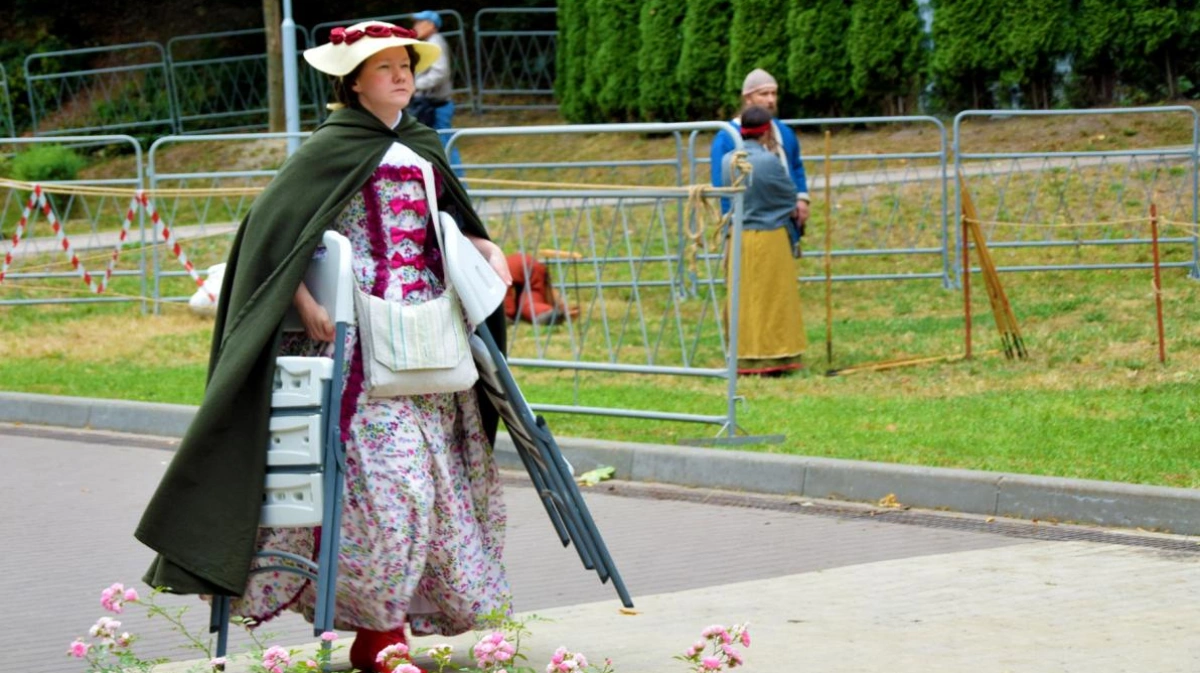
<point x="699" y="208"/>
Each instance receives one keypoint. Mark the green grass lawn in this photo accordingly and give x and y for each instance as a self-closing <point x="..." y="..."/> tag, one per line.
<point x="1091" y="401"/>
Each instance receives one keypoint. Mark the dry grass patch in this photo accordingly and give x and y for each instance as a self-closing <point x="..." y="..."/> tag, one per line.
<point x="174" y="338"/>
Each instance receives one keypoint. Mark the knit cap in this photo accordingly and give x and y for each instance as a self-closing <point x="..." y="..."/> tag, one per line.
<point x="758" y="79"/>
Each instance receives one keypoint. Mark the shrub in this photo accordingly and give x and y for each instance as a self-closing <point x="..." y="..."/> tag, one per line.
<point x="885" y="52"/>
<point x="818" y="65"/>
<point x="702" y="60"/>
<point x="612" y="67"/>
<point x="758" y="39"/>
<point x="572" y="62"/>
<point x="659" y="98"/>
<point x="47" y="162"/>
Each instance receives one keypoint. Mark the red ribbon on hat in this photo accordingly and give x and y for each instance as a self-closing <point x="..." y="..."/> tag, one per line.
<point x="348" y="37"/>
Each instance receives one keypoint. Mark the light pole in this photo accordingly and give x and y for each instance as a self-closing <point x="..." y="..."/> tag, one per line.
<point x="291" y="91"/>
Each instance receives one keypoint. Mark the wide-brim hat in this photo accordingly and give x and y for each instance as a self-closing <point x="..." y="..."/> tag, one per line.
<point x="348" y="47"/>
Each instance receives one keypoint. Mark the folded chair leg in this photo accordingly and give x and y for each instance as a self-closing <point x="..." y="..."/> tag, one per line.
<point x="219" y="623"/>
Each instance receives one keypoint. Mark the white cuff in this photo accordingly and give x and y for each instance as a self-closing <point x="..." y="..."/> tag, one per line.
<point x="802" y="196"/>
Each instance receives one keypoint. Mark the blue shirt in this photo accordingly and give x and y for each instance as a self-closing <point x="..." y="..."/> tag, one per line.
<point x="723" y="145"/>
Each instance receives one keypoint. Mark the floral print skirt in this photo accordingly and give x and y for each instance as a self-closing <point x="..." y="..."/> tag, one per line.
<point x="423" y="522"/>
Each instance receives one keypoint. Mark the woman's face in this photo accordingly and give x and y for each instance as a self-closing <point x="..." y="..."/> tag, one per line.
<point x="385" y="85"/>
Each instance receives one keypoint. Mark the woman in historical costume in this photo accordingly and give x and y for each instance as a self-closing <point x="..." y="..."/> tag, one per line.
<point x="770" y="329"/>
<point x="423" y="521"/>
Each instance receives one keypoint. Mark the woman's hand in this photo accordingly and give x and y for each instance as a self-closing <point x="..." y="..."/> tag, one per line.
<point x="316" y="320"/>
<point x="495" y="257"/>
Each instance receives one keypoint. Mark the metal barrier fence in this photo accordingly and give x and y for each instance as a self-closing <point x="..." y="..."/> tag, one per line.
<point x="454" y="32"/>
<point x="890" y="210"/>
<point x="617" y="235"/>
<point x="6" y="114"/>
<point x="636" y="315"/>
<point x="45" y="264"/>
<point x="218" y="81"/>
<point x="648" y="304"/>
<point x="214" y="200"/>
<point x="192" y="86"/>
<point x="515" y="67"/>
<point x="71" y="97"/>
<point x="1082" y="202"/>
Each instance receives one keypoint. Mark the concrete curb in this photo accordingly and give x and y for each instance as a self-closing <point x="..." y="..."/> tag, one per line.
<point x="1175" y="510"/>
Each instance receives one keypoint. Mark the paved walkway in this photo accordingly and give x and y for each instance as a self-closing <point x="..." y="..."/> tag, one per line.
<point x="824" y="589"/>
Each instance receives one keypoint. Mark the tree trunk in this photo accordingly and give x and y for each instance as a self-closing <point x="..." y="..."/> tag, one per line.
<point x="1171" y="93"/>
<point x="272" y="18"/>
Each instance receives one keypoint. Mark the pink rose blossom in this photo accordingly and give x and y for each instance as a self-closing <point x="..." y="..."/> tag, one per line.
<point x="746" y="637"/>
<point x="104" y="628"/>
<point x="711" y="663"/>
<point x="79" y="649"/>
<point x="275" y="659"/>
<point x="131" y="595"/>
<point x="493" y="649"/>
<point x="565" y="661"/>
<point x="734" y="657"/>
<point x="392" y="656"/>
<point x="329" y="636"/>
<point x="218" y="663"/>
<point x="407" y="668"/>
<point x="110" y="598"/>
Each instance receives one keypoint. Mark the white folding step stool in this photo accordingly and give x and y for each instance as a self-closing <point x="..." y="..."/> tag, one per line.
<point x="306" y="461"/>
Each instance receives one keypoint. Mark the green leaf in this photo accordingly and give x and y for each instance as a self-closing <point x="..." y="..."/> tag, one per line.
<point x="593" y="477"/>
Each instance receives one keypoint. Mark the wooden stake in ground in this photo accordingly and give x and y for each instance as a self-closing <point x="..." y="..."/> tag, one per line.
<point x="828" y="256"/>
<point x="966" y="283"/>
<point x="1162" y="343"/>
<point x="1006" y="322"/>
<point x="893" y="364"/>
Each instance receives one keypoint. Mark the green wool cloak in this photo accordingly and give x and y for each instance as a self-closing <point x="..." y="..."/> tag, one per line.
<point x="203" y="519"/>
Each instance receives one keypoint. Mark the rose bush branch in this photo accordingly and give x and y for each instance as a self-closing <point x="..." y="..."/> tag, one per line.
<point x="107" y="649"/>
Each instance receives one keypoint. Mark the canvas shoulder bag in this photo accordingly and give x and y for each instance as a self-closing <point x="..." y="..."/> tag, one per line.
<point x="415" y="349"/>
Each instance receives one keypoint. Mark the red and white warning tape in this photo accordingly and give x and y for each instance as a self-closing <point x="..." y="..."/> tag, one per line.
<point x="161" y="231"/>
<point x="38" y="199"/>
<point x="34" y="197"/>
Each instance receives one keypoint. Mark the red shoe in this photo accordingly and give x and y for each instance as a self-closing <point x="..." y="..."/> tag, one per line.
<point x="368" y="644"/>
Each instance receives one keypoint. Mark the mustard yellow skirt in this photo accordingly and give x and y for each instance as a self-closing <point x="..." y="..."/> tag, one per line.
<point x="771" y="335"/>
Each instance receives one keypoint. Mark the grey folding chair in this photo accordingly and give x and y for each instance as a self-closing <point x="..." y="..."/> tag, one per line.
<point x="543" y="460"/>
<point x="306" y="460"/>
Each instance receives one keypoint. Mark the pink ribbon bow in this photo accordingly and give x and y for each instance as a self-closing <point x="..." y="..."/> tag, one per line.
<point x="398" y="204"/>
<point x="415" y="235"/>
<point x="416" y="261"/>
<point x="407" y="288"/>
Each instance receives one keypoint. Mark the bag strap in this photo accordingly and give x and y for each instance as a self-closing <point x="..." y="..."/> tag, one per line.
<point x="431" y="197"/>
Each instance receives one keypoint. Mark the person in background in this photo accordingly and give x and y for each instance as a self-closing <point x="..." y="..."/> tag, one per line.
<point x="432" y="104"/>
<point x="770" y="327"/>
<point x="532" y="297"/>
<point x="759" y="88"/>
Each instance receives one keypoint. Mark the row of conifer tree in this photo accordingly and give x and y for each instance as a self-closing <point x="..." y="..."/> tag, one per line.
<point x="670" y="60"/>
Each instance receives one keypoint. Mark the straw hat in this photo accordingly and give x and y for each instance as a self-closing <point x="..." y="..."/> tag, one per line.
<point x="347" y="47"/>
